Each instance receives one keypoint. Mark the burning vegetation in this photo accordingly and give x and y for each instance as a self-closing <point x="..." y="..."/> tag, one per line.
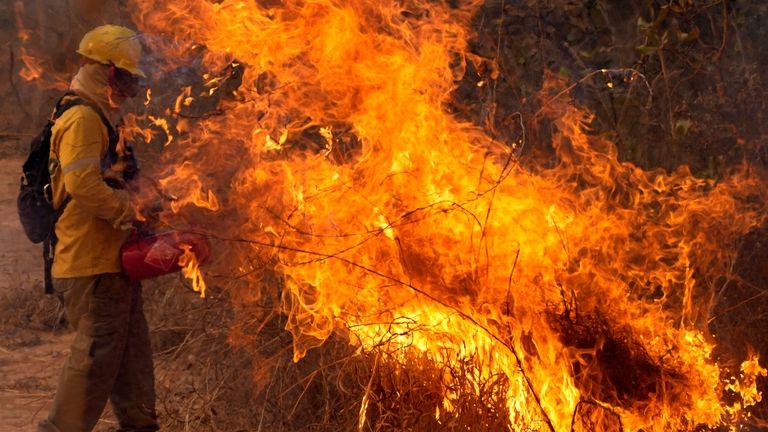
<point x="447" y="283"/>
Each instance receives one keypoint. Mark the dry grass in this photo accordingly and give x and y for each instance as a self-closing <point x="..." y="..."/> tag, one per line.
<point x="218" y="373"/>
<point x="226" y="368"/>
<point x="221" y="367"/>
<point x="29" y="308"/>
<point x="208" y="381"/>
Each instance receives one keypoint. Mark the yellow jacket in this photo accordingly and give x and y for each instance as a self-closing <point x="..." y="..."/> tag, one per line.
<point x="89" y="234"/>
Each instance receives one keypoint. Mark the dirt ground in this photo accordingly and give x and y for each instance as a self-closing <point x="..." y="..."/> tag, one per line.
<point x="29" y="364"/>
<point x="20" y="260"/>
<point x="30" y="358"/>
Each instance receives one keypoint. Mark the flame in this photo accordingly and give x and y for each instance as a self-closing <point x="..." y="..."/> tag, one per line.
<point x="163" y="124"/>
<point x="190" y="268"/>
<point x="746" y="384"/>
<point x="415" y="233"/>
<point x="148" y="97"/>
<point x="132" y="130"/>
<point x="187" y="188"/>
<point x="24" y="33"/>
<point x="34" y="68"/>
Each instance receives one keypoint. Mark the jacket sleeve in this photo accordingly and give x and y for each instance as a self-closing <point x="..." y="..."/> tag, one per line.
<point x="83" y="141"/>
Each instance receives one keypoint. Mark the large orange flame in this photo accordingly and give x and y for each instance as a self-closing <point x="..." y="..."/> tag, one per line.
<point x="415" y="231"/>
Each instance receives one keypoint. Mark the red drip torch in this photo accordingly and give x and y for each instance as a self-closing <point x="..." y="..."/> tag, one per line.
<point x="158" y="254"/>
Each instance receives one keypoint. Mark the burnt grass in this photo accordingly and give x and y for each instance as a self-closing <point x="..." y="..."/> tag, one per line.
<point x="620" y="372"/>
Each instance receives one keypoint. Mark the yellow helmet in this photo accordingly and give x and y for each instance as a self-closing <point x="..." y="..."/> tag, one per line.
<point x="112" y="44"/>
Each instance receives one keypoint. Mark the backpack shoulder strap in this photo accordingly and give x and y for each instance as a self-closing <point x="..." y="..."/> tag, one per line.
<point x="71" y="99"/>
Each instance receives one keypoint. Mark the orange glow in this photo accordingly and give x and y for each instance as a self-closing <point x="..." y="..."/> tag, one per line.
<point x="187" y="188"/>
<point x="23" y="32"/>
<point x="33" y="66"/>
<point x="163" y="124"/>
<point x="190" y="268"/>
<point x="32" y="69"/>
<point x="418" y="235"/>
<point x="746" y="384"/>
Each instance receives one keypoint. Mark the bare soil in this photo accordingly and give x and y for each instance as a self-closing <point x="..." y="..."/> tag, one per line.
<point x="30" y="360"/>
<point x="32" y="352"/>
<point x="33" y="346"/>
<point x="20" y="260"/>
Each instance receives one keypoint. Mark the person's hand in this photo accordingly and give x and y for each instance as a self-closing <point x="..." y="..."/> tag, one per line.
<point x="125" y="220"/>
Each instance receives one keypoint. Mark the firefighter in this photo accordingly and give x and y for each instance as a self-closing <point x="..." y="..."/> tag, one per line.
<point x="110" y="357"/>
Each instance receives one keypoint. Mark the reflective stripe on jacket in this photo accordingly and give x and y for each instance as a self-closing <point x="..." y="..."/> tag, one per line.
<point x="89" y="234"/>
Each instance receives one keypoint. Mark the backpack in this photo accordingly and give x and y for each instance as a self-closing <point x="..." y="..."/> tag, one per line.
<point x="34" y="202"/>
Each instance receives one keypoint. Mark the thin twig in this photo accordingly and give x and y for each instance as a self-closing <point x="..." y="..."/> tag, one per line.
<point x="266" y="395"/>
<point x="725" y="32"/>
<point x="665" y="76"/>
<point x="509" y="283"/>
<point x="364" y="403"/>
<point x="519" y="150"/>
<point x="635" y="73"/>
<point x="597" y="404"/>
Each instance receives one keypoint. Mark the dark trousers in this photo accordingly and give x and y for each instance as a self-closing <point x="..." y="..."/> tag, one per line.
<point x="111" y="357"/>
